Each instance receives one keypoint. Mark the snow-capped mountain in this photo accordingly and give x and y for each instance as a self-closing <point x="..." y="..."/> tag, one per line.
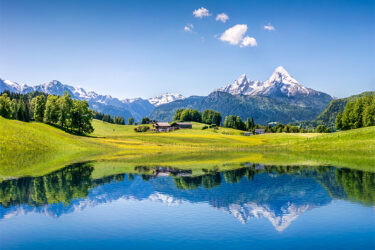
<point x="280" y="84"/>
<point x="280" y="221"/>
<point x="165" y="98"/>
<point x="136" y="107"/>
<point x="241" y="86"/>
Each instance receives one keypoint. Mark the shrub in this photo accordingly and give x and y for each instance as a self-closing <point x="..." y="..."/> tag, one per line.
<point x="141" y="129"/>
<point x="204" y="127"/>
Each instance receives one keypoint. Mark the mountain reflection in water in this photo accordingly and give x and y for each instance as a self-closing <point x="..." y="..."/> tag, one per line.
<point x="280" y="194"/>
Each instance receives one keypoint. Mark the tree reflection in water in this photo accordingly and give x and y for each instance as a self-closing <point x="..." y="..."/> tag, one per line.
<point x="76" y="181"/>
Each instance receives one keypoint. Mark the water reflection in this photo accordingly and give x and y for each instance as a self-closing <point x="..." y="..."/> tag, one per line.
<point x="278" y="193"/>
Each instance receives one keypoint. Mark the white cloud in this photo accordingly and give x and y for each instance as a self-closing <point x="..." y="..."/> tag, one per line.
<point x="201" y="12"/>
<point x="235" y="34"/>
<point x="189" y="27"/>
<point x="269" y="27"/>
<point x="222" y="17"/>
<point x="248" y="41"/>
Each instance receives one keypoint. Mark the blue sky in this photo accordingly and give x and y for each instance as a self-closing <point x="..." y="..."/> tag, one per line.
<point x="140" y="48"/>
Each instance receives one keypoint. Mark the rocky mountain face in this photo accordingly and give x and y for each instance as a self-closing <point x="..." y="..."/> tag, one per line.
<point x="279" y="99"/>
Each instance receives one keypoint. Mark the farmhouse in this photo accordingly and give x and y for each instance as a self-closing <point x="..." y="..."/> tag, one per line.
<point x="259" y="131"/>
<point x="184" y="125"/>
<point x="166" y="127"/>
<point x="162" y="126"/>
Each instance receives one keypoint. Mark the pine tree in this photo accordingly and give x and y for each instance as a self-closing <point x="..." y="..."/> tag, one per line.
<point x="248" y="124"/>
<point x="339" y="120"/>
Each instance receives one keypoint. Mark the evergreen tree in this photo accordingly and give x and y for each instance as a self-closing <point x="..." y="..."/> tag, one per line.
<point x="5" y="106"/>
<point x="145" y="120"/>
<point x="339" y="120"/>
<point x="357" y="113"/>
<point x="177" y="115"/>
<point x="51" y="114"/>
<point x="39" y="108"/>
<point x="248" y="124"/>
<point x="130" y="121"/>
<point x="369" y="112"/>
<point x="226" y="124"/>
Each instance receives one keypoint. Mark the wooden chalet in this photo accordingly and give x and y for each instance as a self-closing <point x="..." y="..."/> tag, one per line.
<point x="162" y="126"/>
<point x="184" y="125"/>
<point x="259" y="131"/>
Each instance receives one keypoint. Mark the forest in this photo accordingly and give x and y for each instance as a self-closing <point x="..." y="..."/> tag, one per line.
<point x="64" y="112"/>
<point x="357" y="114"/>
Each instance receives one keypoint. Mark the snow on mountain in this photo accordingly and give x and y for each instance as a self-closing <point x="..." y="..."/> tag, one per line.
<point x="165" y="98"/>
<point x="57" y="88"/>
<point x="136" y="107"/>
<point x="279" y="219"/>
<point x="280" y="84"/>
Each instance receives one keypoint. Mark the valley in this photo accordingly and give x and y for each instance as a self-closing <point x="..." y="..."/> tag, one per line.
<point x="281" y="98"/>
<point x="33" y="149"/>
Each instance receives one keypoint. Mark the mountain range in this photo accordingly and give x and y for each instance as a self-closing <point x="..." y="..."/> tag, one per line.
<point x="281" y="98"/>
<point x="136" y="107"/>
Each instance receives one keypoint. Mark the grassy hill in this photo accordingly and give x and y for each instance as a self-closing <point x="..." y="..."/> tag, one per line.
<point x="328" y="116"/>
<point x="26" y="148"/>
<point x="36" y="148"/>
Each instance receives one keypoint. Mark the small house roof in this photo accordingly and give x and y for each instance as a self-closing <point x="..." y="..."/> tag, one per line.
<point x="259" y="130"/>
<point x="162" y="124"/>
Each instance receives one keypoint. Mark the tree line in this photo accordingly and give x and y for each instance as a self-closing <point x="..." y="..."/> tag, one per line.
<point x="235" y="122"/>
<point x="193" y="115"/>
<point x="108" y="118"/>
<point x="17" y="106"/>
<point x="212" y="117"/>
<point x="357" y="114"/>
<point x="61" y="111"/>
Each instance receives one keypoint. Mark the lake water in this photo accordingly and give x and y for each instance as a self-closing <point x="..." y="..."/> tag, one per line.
<point x="255" y="206"/>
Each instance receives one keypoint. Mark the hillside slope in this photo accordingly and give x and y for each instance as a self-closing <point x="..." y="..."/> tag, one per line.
<point x="34" y="147"/>
<point x="328" y="115"/>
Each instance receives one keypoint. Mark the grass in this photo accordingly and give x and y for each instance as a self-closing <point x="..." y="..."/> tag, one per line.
<point x="32" y="149"/>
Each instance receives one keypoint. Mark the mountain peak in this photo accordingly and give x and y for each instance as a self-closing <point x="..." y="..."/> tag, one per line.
<point x="280" y="75"/>
<point x="54" y="82"/>
<point x="165" y="98"/>
<point x="281" y="70"/>
<point x="242" y="78"/>
<point x="280" y="84"/>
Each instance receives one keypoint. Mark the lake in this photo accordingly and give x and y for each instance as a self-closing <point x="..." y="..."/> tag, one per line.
<point x="253" y="206"/>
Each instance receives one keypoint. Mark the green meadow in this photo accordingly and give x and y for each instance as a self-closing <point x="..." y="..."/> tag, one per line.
<point x="34" y="149"/>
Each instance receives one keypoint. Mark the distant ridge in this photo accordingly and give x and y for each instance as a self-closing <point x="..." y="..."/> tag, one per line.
<point x="279" y="99"/>
<point x="136" y="107"/>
